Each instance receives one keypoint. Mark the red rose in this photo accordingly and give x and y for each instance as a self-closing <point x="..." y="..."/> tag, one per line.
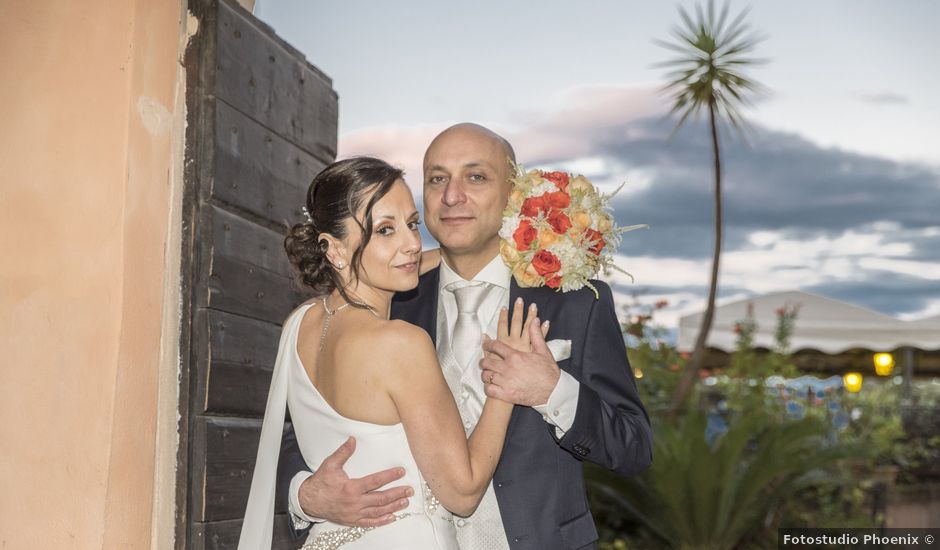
<point x="553" y="282"/>
<point x="558" y="199"/>
<point x="546" y="263"/>
<point x="597" y="239"/>
<point x="532" y="206"/>
<point x="559" y="221"/>
<point x="524" y="235"/>
<point x="560" y="179"/>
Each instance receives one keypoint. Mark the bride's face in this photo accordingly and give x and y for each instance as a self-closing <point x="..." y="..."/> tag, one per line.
<point x="391" y="257"/>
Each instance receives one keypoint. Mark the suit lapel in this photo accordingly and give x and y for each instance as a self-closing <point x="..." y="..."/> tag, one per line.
<point x="549" y="308"/>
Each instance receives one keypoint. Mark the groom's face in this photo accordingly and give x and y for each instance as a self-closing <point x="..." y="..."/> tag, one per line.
<point x="466" y="187"/>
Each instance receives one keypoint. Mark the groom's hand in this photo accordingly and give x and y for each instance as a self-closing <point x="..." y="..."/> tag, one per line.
<point x="331" y="495"/>
<point x="522" y="378"/>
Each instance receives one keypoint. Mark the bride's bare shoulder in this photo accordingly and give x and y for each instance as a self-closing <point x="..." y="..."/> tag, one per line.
<point x="315" y="299"/>
<point x="395" y="333"/>
<point x="394" y="339"/>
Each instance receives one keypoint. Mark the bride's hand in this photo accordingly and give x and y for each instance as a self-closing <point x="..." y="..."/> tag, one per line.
<point x="516" y="333"/>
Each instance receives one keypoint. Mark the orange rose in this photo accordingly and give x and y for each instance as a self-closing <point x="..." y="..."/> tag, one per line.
<point x="559" y="221"/>
<point x="524" y="235"/>
<point x="581" y="219"/>
<point x="546" y="237"/>
<point x="526" y="275"/>
<point x="558" y="199"/>
<point x="560" y="179"/>
<point x="597" y="239"/>
<point x="532" y="206"/>
<point x="553" y="282"/>
<point x="508" y="252"/>
<point x="546" y="263"/>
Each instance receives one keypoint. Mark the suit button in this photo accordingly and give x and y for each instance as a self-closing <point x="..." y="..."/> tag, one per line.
<point x="499" y="484"/>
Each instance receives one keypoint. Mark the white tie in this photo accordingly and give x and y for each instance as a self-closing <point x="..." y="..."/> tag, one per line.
<point x="467" y="331"/>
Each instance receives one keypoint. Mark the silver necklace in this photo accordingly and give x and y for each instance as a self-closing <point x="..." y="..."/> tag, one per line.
<point x="330" y="314"/>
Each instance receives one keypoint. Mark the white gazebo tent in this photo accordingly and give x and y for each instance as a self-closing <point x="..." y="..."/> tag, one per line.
<point x="822" y="324"/>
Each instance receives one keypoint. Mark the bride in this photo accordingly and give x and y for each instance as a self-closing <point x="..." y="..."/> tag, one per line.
<point x="344" y="369"/>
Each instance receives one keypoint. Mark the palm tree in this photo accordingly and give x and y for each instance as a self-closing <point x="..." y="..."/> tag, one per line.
<point x="706" y="77"/>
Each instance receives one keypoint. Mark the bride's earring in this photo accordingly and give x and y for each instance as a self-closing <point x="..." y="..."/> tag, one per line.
<point x="340" y="265"/>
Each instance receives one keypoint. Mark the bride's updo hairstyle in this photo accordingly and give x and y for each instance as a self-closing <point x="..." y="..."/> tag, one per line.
<point x="341" y="190"/>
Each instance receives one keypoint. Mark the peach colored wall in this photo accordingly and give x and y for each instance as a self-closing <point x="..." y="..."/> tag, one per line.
<point x="87" y="106"/>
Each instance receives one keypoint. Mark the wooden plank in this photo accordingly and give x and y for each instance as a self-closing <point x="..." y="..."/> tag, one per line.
<point x="235" y="237"/>
<point x="272" y="83"/>
<point x="236" y="372"/>
<point x="244" y="289"/>
<point x="223" y="535"/>
<point x="259" y="171"/>
<point x="242" y="340"/>
<point x="237" y="389"/>
<point x="222" y="484"/>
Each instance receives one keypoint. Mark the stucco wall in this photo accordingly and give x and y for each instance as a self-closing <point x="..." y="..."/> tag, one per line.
<point x="87" y="146"/>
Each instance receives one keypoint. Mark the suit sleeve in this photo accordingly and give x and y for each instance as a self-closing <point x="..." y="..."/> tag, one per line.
<point x="290" y="464"/>
<point x="611" y="427"/>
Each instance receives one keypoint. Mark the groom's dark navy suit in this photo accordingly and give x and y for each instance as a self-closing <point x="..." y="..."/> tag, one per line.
<point x="539" y="482"/>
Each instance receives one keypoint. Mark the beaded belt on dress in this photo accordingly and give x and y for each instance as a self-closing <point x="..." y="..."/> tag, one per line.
<point x="334" y="538"/>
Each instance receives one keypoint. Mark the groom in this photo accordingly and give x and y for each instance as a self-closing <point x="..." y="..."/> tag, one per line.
<point x="576" y="398"/>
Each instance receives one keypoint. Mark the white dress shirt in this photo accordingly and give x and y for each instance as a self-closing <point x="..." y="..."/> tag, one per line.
<point x="563" y="402"/>
<point x="484" y="529"/>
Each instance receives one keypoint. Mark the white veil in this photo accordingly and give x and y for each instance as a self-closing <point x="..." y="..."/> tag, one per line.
<point x="258" y="526"/>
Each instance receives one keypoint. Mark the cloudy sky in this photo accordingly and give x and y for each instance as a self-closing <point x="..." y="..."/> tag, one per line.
<point x="836" y="192"/>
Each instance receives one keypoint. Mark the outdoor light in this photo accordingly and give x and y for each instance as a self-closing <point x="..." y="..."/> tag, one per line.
<point x="884" y="364"/>
<point x="637" y="373"/>
<point x="852" y="381"/>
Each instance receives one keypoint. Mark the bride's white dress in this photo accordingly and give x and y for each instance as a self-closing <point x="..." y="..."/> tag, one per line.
<point x="423" y="525"/>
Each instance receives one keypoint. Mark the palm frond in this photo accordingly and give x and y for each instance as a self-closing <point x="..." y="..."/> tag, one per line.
<point x="701" y="494"/>
<point x="713" y="48"/>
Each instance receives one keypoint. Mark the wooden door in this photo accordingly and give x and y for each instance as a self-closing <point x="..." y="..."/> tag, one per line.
<point x="261" y="122"/>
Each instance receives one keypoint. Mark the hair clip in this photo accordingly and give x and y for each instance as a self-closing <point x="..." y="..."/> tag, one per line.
<point x="307" y="214"/>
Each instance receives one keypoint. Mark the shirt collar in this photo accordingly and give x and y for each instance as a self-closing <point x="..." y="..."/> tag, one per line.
<point x="496" y="273"/>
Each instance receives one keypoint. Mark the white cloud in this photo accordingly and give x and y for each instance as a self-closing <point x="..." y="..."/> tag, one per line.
<point x="802" y="248"/>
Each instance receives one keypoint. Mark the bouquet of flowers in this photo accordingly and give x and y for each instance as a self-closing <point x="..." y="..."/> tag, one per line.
<point x="557" y="230"/>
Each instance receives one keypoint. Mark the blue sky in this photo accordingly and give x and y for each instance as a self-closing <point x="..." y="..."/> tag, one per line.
<point x="837" y="192"/>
